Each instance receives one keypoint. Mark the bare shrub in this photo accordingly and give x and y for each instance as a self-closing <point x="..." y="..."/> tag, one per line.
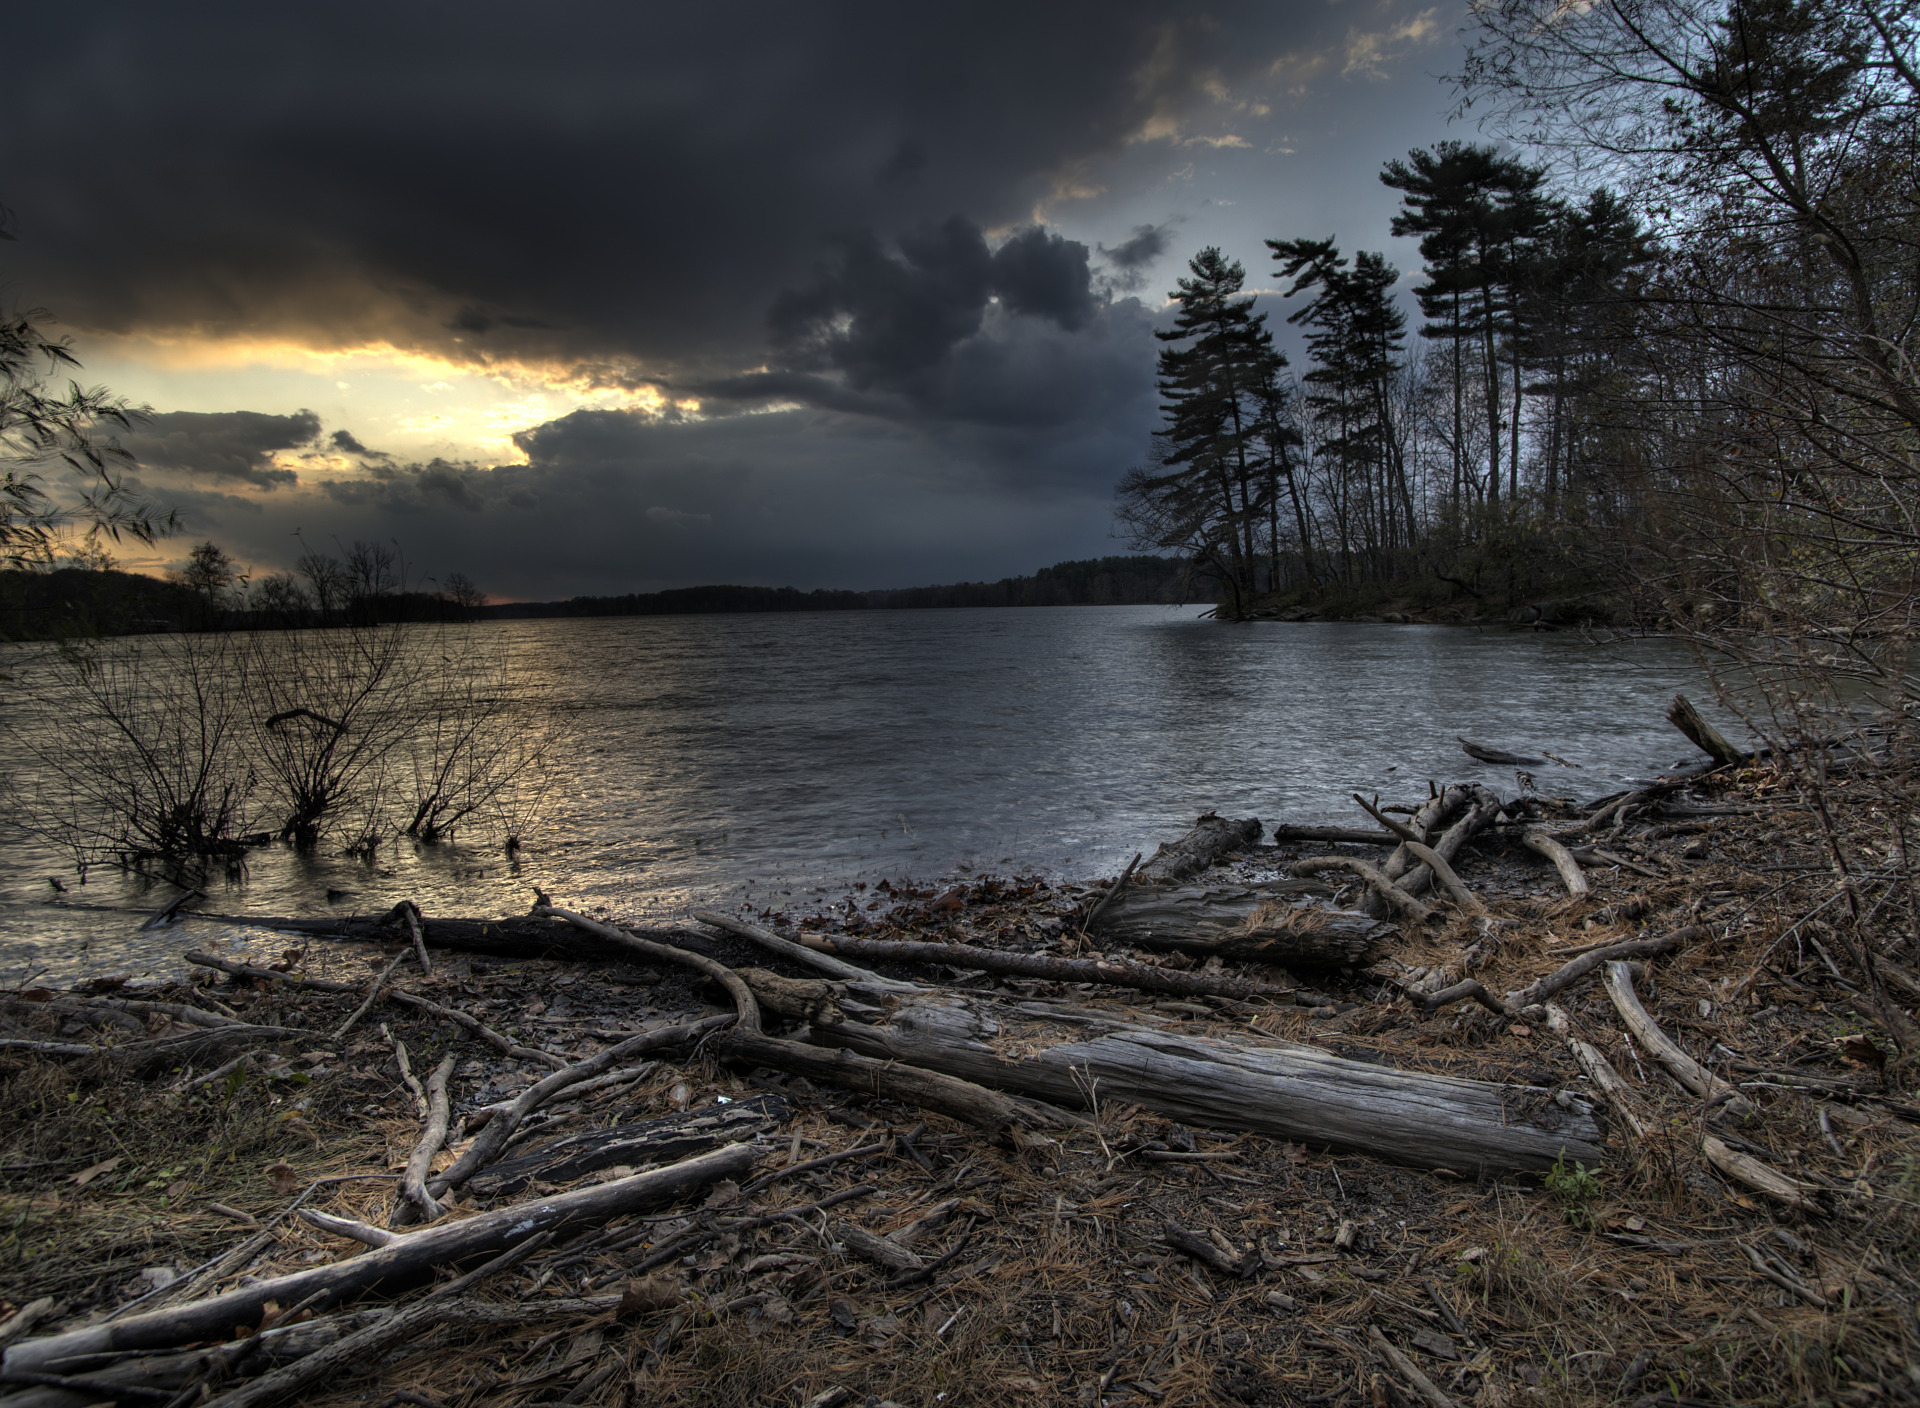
<point x="142" y="749"/>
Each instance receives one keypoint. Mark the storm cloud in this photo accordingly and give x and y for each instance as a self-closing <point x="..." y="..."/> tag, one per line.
<point x="860" y="256"/>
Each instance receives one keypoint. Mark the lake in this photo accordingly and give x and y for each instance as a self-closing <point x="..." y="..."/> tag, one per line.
<point x="721" y="760"/>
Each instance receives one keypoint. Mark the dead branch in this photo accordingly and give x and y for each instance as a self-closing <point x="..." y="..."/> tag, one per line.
<point x="445" y="1243"/>
<point x="1541" y="844"/>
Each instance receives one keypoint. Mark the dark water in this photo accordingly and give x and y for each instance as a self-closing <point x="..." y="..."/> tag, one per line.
<point x="717" y="759"/>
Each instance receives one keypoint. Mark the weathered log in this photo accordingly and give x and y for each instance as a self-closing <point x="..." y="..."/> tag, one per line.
<point x="1683" y="1068"/>
<point x="406" y="1258"/>
<point x="1419" y="876"/>
<point x="172" y="1372"/>
<point x="667" y="1139"/>
<point x="254" y="973"/>
<point x="480" y="1029"/>
<point x="881" y="1251"/>
<point x="1114" y="972"/>
<point x="1563" y="860"/>
<point x="1290" y="1091"/>
<point x="1431" y="815"/>
<point x="1250" y="923"/>
<point x="1703" y="735"/>
<point x="1335" y="835"/>
<point x="1499" y="757"/>
<point x="1599" y="1070"/>
<point x="1212" y="837"/>
<point x="365" y="1346"/>
<point x="530" y="936"/>
<point x="166" y="1051"/>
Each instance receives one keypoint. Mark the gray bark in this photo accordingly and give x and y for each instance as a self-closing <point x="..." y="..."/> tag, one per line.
<point x="1276" y="1088"/>
<point x="1212" y="837"/>
<point x="1255" y="923"/>
<point x="667" y="1139"/>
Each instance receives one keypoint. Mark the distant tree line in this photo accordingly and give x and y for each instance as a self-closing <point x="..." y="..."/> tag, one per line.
<point x="366" y="585"/>
<point x="1102" y="581"/>
<point x="1692" y="382"/>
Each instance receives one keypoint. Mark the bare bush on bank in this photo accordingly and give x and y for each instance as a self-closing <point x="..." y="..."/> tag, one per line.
<point x="178" y="753"/>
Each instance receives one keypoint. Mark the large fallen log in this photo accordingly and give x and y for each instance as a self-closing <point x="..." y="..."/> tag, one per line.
<point x="1212" y="837"/>
<point x="1252" y="923"/>
<point x="525" y="937"/>
<point x="407" y="1257"/>
<point x="1277" y="1088"/>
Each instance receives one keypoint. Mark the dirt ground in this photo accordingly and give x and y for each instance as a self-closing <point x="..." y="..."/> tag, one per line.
<point x="1651" y="1280"/>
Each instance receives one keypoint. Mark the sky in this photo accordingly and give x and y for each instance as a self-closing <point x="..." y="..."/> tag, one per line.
<point x="595" y="298"/>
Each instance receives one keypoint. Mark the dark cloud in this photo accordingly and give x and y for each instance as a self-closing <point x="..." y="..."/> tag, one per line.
<point x="884" y="319"/>
<point x="1046" y="276"/>
<point x="1131" y="258"/>
<point x="777" y="210"/>
<point x="628" y="182"/>
<point x="225" y="446"/>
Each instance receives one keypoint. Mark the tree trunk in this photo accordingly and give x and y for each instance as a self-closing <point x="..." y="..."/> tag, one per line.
<point x="1708" y="739"/>
<point x="1278" y="1089"/>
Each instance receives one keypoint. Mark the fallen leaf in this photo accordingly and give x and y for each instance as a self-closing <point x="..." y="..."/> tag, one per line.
<point x="284" y="1178"/>
<point x="725" y="1193"/>
<point x="87" y="1175"/>
<point x="1023" y="1384"/>
<point x="1294" y="1153"/>
<point x="1519" y="1030"/>
<point x="178" y="1187"/>
<point x="1473" y="1253"/>
<point x="657" y="1292"/>
<point x="1862" y="1052"/>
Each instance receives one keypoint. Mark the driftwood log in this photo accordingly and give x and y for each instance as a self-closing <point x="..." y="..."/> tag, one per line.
<point x="1500" y="757"/>
<point x="1275" y="1088"/>
<point x="1704" y="736"/>
<point x="526" y="937"/>
<point x="1564" y="861"/>
<point x="1719" y="1095"/>
<point x="1212" y="837"/>
<point x="406" y="1258"/>
<point x="1251" y="923"/>
<point x="1335" y="835"/>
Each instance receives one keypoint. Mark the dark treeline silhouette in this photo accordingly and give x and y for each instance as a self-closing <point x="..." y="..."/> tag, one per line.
<point x="1103" y="581"/>
<point x="367" y="586"/>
